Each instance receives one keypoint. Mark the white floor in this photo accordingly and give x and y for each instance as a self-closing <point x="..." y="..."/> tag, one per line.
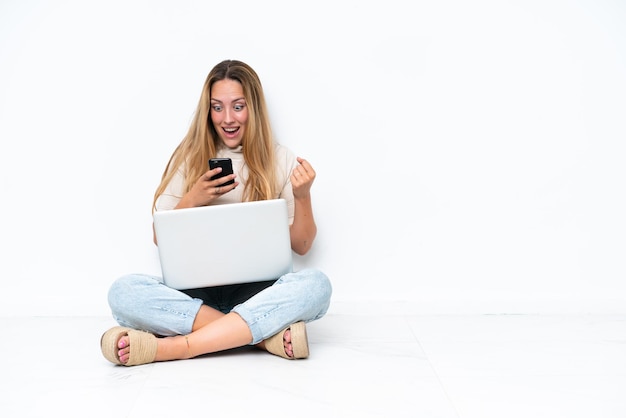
<point x="481" y="366"/>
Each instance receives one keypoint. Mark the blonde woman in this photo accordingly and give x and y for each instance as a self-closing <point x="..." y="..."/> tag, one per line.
<point x="158" y="323"/>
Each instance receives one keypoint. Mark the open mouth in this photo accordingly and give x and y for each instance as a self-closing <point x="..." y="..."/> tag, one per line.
<point x="230" y="132"/>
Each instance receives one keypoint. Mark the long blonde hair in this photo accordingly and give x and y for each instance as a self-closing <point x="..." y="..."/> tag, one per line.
<point x="202" y="141"/>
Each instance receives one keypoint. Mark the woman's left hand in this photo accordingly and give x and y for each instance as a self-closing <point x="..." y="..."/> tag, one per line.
<point x="302" y="178"/>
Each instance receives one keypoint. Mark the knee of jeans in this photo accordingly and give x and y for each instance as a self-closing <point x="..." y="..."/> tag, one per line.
<point x="320" y="291"/>
<point x="320" y="288"/>
<point x="123" y="291"/>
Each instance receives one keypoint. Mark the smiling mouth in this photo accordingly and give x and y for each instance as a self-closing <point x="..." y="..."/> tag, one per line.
<point x="230" y="130"/>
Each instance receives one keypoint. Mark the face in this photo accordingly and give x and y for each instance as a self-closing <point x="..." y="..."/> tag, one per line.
<point x="229" y="111"/>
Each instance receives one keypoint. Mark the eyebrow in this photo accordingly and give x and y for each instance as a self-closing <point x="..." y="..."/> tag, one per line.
<point x="235" y="100"/>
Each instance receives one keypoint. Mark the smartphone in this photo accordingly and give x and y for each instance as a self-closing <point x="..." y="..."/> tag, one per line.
<point x="227" y="168"/>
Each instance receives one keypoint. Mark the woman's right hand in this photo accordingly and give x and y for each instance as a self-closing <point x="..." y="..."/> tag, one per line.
<point x="205" y="190"/>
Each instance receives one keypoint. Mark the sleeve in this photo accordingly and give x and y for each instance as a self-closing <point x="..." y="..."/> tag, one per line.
<point x="172" y="193"/>
<point x="286" y="162"/>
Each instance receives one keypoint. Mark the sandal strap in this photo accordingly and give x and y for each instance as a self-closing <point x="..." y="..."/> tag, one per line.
<point x="299" y="342"/>
<point x="143" y="346"/>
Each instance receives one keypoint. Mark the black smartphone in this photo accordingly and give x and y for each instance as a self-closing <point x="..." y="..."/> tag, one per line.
<point x="227" y="168"/>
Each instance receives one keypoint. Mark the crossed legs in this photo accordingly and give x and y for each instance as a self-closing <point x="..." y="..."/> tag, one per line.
<point x="212" y="331"/>
<point x="196" y="328"/>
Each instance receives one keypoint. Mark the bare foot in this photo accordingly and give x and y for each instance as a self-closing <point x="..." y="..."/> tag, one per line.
<point x="123" y="344"/>
<point x="168" y="348"/>
<point x="287" y="342"/>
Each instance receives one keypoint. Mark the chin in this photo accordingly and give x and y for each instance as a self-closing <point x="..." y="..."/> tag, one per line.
<point x="231" y="143"/>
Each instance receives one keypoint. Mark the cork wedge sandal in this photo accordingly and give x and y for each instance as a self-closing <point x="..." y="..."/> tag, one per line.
<point x="143" y="346"/>
<point x="299" y="342"/>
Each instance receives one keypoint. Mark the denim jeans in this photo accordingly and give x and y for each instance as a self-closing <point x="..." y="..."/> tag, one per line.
<point x="143" y="302"/>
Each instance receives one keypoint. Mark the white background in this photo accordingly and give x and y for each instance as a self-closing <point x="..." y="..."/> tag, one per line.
<point x="470" y="155"/>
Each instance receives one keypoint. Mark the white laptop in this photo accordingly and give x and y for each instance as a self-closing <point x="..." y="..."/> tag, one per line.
<point x="224" y="244"/>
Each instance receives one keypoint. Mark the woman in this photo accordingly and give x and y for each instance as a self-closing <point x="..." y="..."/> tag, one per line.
<point x="231" y="121"/>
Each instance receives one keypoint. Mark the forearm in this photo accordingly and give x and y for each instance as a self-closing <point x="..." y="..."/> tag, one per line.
<point x="303" y="229"/>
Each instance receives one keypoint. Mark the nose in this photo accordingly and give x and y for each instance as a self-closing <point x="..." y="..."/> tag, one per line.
<point x="228" y="115"/>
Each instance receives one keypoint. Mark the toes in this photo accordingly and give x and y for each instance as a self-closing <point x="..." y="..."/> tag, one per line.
<point x="289" y="350"/>
<point x="287" y="343"/>
<point x="124" y="349"/>
<point x="123" y="342"/>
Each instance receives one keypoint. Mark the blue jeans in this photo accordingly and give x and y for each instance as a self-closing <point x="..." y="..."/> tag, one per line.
<point x="142" y="302"/>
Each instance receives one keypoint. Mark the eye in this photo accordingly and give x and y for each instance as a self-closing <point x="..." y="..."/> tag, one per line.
<point x="238" y="107"/>
<point x="217" y="108"/>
